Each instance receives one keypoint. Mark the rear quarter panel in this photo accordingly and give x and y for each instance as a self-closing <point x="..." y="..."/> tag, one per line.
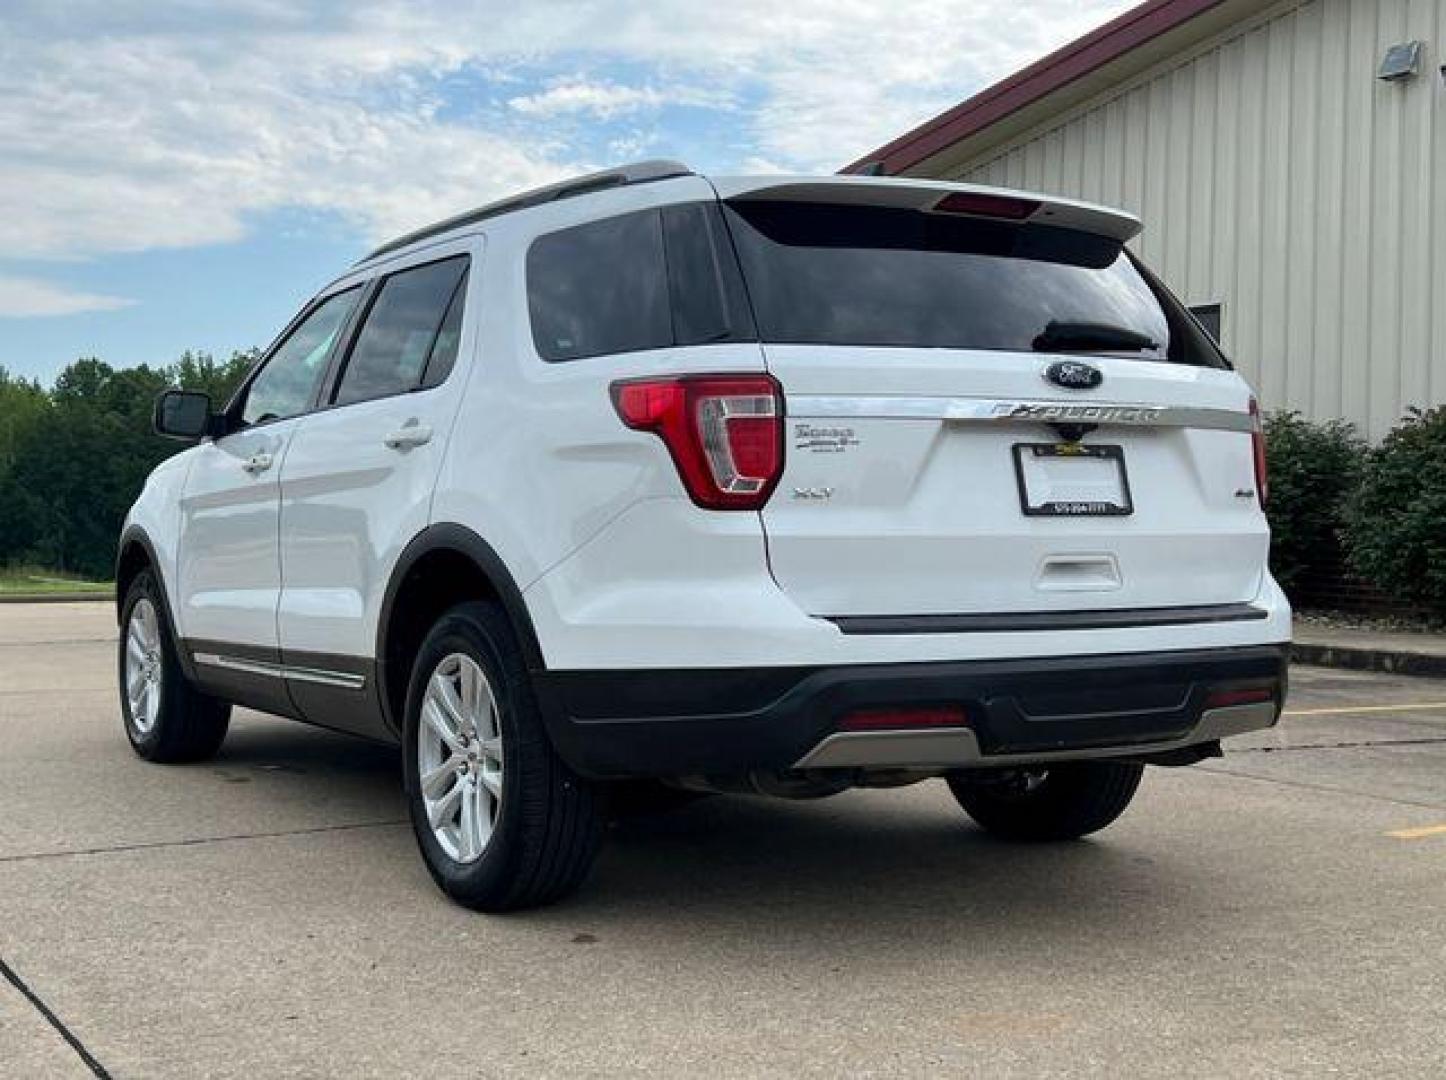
<point x="539" y="462"/>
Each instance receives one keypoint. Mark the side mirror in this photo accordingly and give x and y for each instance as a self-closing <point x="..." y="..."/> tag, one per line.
<point x="183" y="414"/>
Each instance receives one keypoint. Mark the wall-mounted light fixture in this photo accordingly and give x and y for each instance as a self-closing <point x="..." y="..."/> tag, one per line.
<point x="1401" y="61"/>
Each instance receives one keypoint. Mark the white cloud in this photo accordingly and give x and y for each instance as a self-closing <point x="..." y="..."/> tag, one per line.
<point x="28" y="297"/>
<point x="606" y="99"/>
<point x="132" y="125"/>
<point x="598" y="99"/>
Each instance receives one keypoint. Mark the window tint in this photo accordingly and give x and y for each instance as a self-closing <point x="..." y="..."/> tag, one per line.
<point x="599" y="288"/>
<point x="444" y="349"/>
<point x="287" y="385"/>
<point x="401" y="327"/>
<point x="841" y="275"/>
<point x="644" y="280"/>
<point x="704" y="282"/>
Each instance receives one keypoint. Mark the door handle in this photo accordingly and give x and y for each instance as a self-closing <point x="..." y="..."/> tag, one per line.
<point x="408" y="436"/>
<point x="257" y="463"/>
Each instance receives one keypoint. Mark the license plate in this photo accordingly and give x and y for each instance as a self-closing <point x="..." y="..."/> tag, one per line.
<point x="1069" y="480"/>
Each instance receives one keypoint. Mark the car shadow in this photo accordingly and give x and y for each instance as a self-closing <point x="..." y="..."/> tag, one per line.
<point x="292" y="747"/>
<point x="864" y="855"/>
<point x="874" y="869"/>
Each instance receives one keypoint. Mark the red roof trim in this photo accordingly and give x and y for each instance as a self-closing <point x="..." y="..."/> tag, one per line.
<point x="1077" y="59"/>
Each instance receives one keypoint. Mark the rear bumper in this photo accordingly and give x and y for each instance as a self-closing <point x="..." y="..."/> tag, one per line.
<point x="631" y="723"/>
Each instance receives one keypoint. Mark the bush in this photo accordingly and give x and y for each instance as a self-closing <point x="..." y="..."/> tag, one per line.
<point x="1396" y="520"/>
<point x="1313" y="469"/>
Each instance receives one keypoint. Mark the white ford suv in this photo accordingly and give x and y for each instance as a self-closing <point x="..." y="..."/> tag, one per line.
<point x="773" y="484"/>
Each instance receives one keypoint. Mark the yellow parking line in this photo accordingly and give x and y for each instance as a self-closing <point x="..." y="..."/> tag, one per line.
<point x="1418" y="834"/>
<point x="1349" y="709"/>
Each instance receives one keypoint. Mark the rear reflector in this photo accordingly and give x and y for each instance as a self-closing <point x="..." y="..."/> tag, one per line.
<point x="893" y="719"/>
<point x="724" y="432"/>
<point x="1223" y="699"/>
<point x="981" y="205"/>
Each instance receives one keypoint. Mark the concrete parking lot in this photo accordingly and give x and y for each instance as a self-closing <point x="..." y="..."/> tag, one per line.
<point x="1280" y="912"/>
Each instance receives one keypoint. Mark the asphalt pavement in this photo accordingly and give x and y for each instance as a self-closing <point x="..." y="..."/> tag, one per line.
<point x="1280" y="912"/>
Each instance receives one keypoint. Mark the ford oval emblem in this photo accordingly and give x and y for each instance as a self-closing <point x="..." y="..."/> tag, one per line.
<point x="1073" y="375"/>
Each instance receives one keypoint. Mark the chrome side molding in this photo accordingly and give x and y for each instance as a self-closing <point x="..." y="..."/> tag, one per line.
<point x="344" y="679"/>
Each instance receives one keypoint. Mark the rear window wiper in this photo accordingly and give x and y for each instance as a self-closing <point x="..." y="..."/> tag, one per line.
<point x="1091" y="337"/>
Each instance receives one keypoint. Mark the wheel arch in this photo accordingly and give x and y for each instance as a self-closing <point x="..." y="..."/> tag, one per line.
<point x="444" y="564"/>
<point x="136" y="553"/>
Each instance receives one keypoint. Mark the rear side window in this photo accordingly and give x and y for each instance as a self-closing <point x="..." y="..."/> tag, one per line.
<point x="599" y="288"/>
<point x="645" y="280"/>
<point x="403" y="329"/>
<point x="850" y="275"/>
<point x="444" y="349"/>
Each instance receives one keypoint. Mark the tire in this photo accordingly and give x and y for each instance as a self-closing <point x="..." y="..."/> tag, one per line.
<point x="168" y="720"/>
<point x="534" y="825"/>
<point x="1068" y="801"/>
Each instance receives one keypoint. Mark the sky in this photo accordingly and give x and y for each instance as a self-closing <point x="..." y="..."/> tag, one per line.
<point x="184" y="175"/>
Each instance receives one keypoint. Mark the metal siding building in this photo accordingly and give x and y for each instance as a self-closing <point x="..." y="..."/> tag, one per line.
<point x="1276" y="175"/>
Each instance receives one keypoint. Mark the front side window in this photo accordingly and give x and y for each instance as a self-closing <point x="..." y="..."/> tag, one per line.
<point x="404" y="327"/>
<point x="850" y="275"/>
<point x="287" y="385"/>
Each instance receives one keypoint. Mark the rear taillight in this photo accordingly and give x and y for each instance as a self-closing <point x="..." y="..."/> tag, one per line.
<point x="1257" y="439"/>
<point x="724" y="432"/>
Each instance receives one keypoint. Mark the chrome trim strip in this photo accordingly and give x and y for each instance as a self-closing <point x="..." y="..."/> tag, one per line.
<point x="345" y="680"/>
<point x="959" y="748"/>
<point x="232" y="663"/>
<point x="1016" y="410"/>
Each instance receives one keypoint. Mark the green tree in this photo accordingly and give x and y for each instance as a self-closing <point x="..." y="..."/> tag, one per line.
<point x="1314" y="466"/>
<point x="24" y="406"/>
<point x="73" y="460"/>
<point x="218" y="378"/>
<point x="1396" y="520"/>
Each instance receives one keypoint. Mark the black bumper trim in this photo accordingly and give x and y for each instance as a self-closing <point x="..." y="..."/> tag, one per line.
<point x="613" y="724"/>
<point x="1002" y="622"/>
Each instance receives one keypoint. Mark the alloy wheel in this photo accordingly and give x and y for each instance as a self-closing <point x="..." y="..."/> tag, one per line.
<point x="143" y="668"/>
<point x="459" y="757"/>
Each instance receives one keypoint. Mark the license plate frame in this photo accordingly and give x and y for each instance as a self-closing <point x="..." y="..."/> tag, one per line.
<point x="1123" y="507"/>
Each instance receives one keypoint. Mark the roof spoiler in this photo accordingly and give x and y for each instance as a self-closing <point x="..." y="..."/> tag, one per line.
<point x="936" y="196"/>
<point x="636" y="173"/>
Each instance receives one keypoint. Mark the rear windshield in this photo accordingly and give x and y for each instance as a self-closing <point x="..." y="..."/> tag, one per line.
<point x="849" y="275"/>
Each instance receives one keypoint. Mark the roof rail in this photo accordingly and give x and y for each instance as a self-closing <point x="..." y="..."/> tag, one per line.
<point x="636" y="173"/>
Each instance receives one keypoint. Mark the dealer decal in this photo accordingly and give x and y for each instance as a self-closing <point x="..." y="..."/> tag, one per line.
<point x="823" y="440"/>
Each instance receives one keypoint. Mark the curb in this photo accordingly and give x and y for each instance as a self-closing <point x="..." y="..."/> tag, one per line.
<point x="54" y="597"/>
<point x="1423" y="665"/>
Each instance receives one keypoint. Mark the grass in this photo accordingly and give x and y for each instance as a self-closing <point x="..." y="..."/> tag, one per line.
<point x="32" y="581"/>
